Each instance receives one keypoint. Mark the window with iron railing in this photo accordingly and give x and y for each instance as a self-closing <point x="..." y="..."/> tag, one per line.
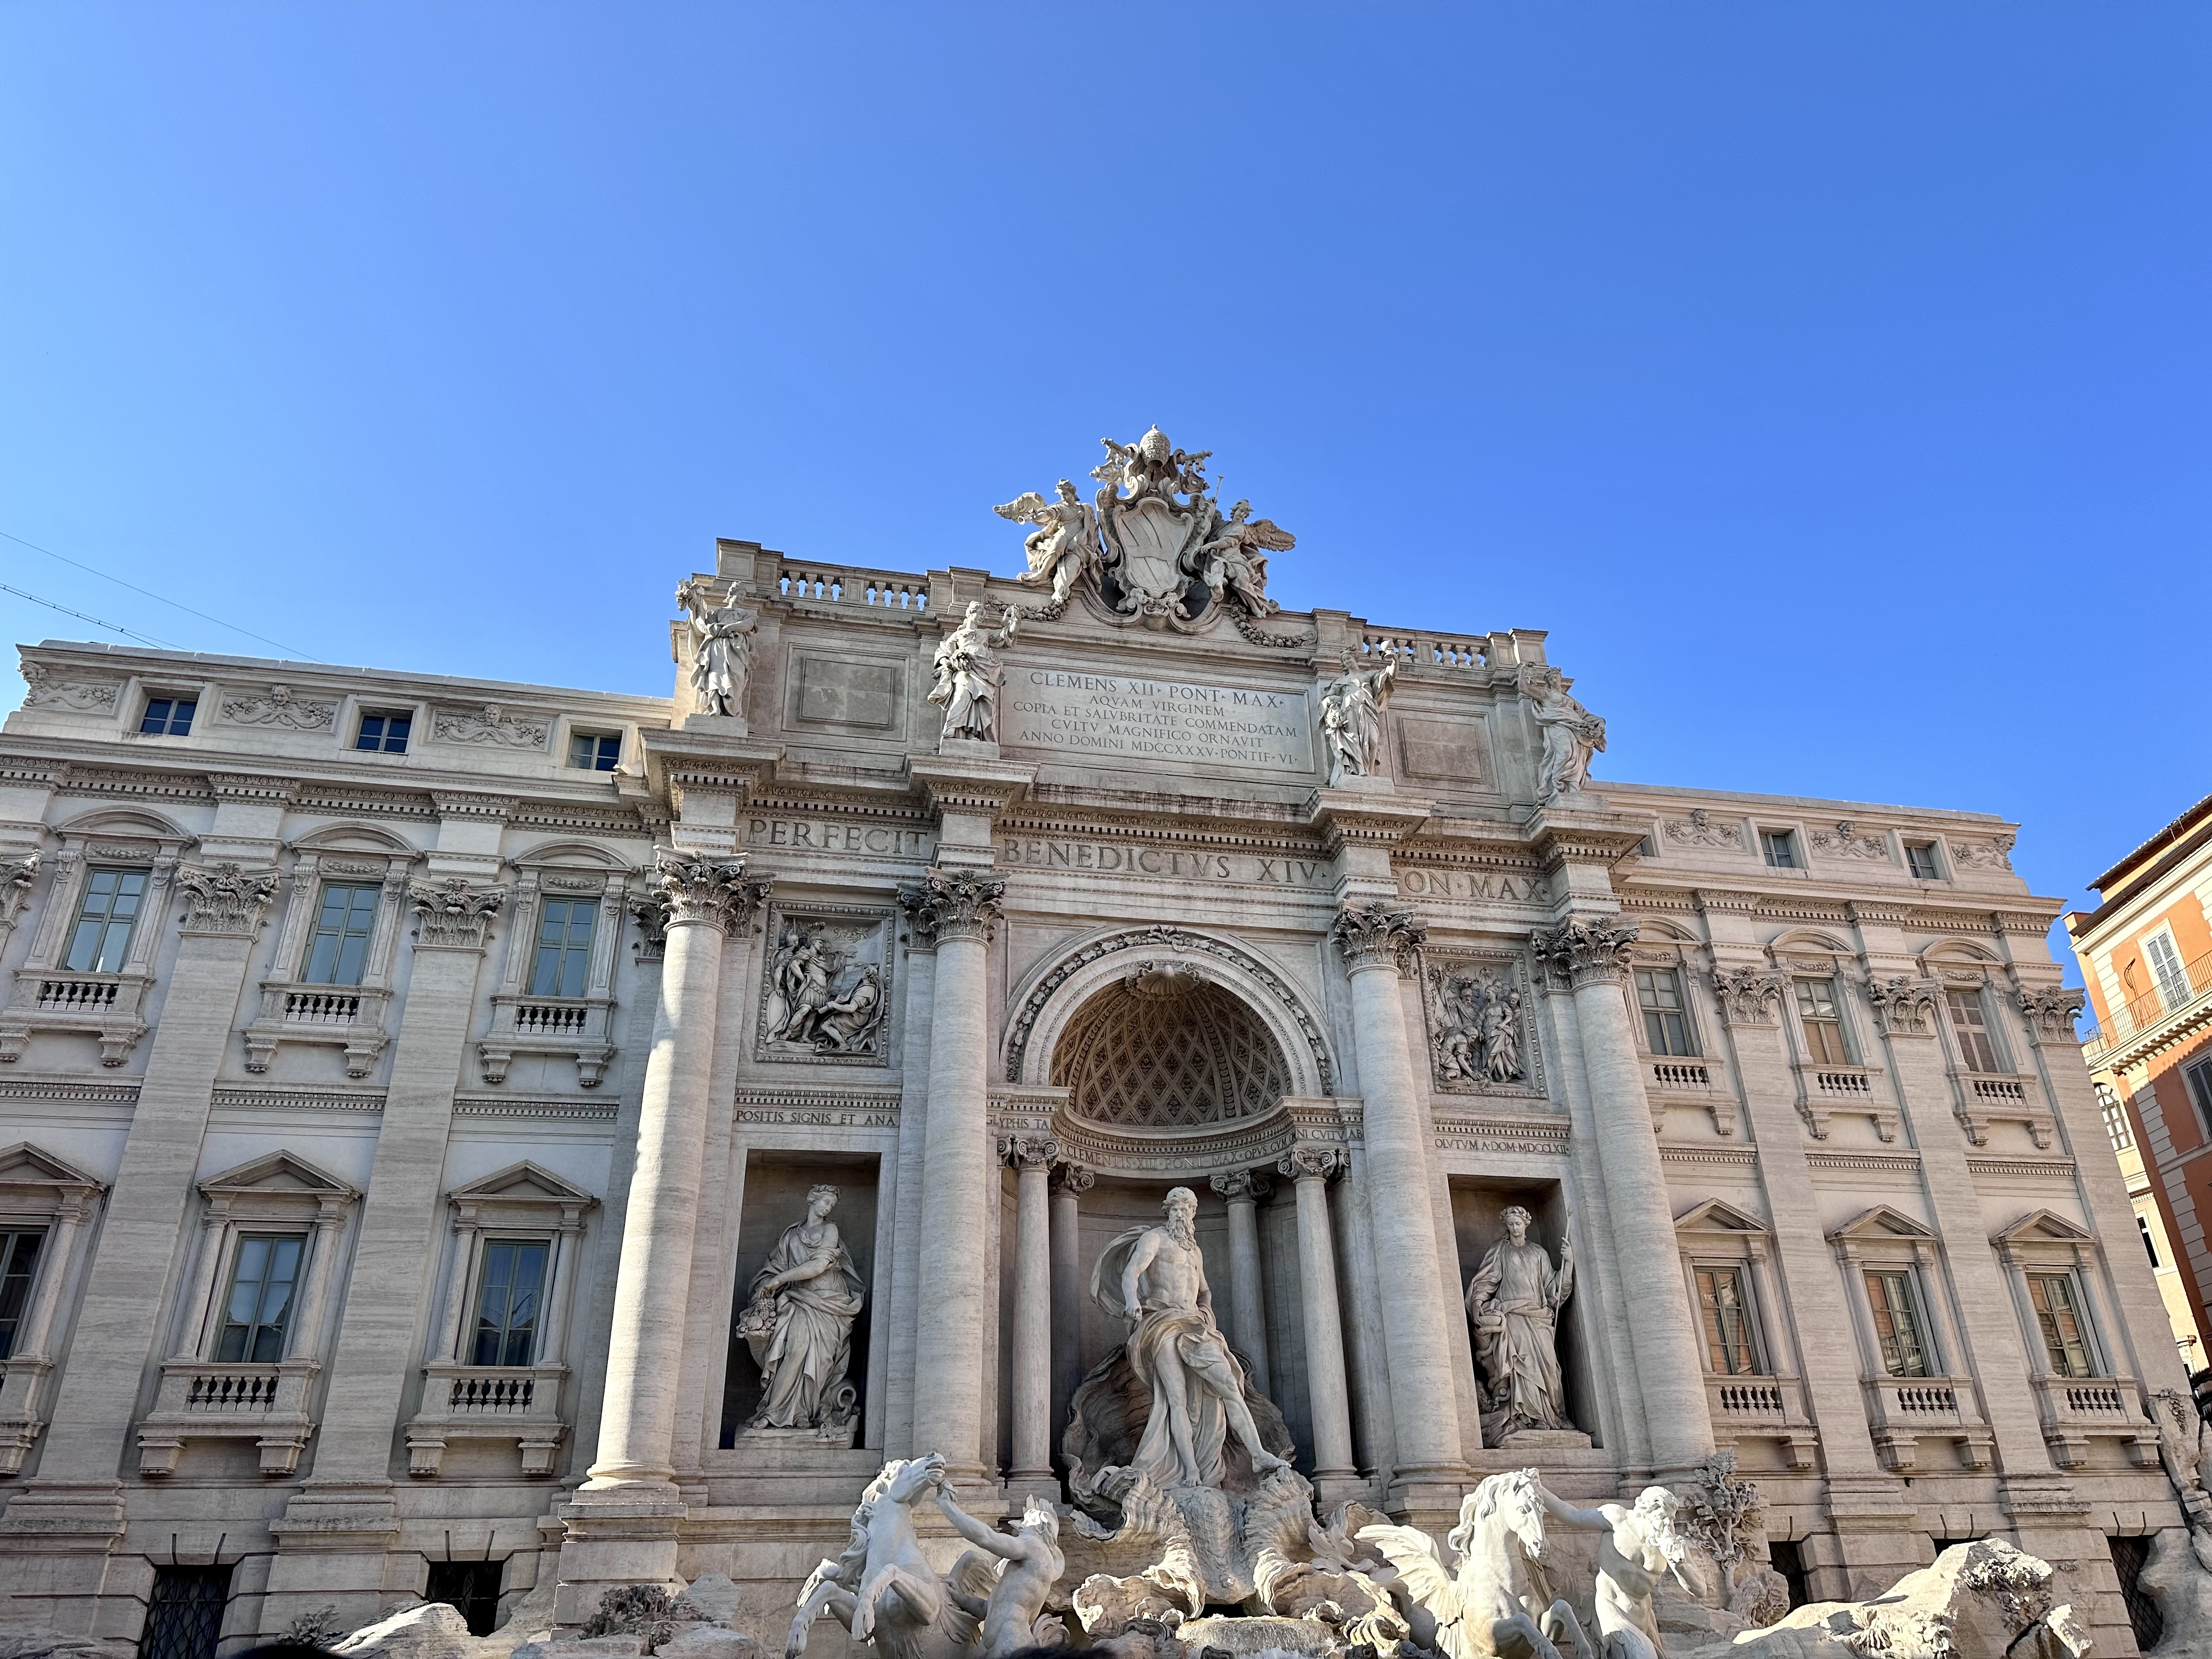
<point x="2166" y="966"/>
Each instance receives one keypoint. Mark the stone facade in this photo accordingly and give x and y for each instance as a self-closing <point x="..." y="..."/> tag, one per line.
<point x="1001" y="915"/>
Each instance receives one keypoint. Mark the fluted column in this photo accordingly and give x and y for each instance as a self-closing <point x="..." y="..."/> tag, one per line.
<point x="1032" y="1156"/>
<point x="1590" y="954"/>
<point x="960" y="909"/>
<point x="1378" y="943"/>
<point x="1248" y="1316"/>
<point x="1069" y="1182"/>
<point x="1310" y="1169"/>
<point x="706" y="900"/>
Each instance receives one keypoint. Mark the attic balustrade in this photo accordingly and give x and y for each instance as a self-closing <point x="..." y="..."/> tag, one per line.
<point x="880" y="590"/>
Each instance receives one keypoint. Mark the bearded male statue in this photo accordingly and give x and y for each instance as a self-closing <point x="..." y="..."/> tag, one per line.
<point x="1154" y="1278"/>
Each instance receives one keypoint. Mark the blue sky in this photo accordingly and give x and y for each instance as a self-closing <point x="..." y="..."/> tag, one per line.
<point x="1831" y="379"/>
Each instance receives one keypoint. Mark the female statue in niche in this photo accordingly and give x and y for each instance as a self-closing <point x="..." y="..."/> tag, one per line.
<point x="799" y="1319"/>
<point x="1514" y="1300"/>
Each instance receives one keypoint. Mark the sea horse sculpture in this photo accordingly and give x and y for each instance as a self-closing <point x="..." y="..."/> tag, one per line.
<point x="1492" y="1607"/>
<point x="882" y="1589"/>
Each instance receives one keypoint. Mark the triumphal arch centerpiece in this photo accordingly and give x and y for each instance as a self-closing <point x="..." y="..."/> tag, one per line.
<point x="1180" y="1095"/>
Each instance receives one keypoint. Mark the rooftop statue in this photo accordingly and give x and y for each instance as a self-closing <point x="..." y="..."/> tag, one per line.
<point x="721" y="649"/>
<point x="1064" y="548"/>
<point x="1350" y="712"/>
<point x="968" y="676"/>
<point x="1572" y="735"/>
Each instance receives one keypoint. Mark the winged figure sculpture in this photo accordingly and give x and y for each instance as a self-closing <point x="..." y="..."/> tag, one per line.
<point x="1494" y="1605"/>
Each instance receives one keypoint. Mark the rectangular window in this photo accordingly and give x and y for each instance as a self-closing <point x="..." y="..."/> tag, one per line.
<point x="2116" y="1117"/>
<point x="1823" y="1022"/>
<point x="2150" y="1244"/>
<point x="18" y="1265"/>
<point x="2057" y="1311"/>
<point x="1920" y="860"/>
<point x="106" y="918"/>
<point x="1969" y="1024"/>
<point x="2165" y="962"/>
<point x="168" y="717"/>
<point x="258" y="1309"/>
<point x="2199" y="1078"/>
<point x="594" y="751"/>
<point x="1725" y="1315"/>
<point x="506" y="1300"/>
<point x="564" y="948"/>
<point x="385" y="733"/>
<point x="1666" y="1027"/>
<point x="339" y="949"/>
<point x="1897" y="1322"/>
<point x="1780" y="847"/>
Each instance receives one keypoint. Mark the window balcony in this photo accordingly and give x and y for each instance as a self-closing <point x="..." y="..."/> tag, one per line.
<point x="1824" y="1089"/>
<point x="2178" y="1006"/>
<point x="2078" y="1409"/>
<point x="348" y="1017"/>
<point x="205" y="1400"/>
<point x="517" y="1403"/>
<point x="1986" y="1097"/>
<point x="1903" y="1410"/>
<point x="1762" y="1408"/>
<point x="574" y="1028"/>
<point x="1688" y="1080"/>
<point x="108" y="1007"/>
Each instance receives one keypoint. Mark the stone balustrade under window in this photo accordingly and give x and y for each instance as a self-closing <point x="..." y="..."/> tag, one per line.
<point x="1762" y="1408"/>
<point x="2078" y="1409"/>
<point x="209" y="1399"/>
<point x="574" y="1028"/>
<point x="1903" y="1410"/>
<point x="518" y="1404"/>
<point x="109" y="1007"/>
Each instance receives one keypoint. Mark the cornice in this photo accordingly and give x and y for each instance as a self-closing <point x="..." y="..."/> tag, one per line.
<point x="466" y="804"/>
<point x="1677" y="901"/>
<point x="1719" y="901"/>
<point x="1345" y="817"/>
<point x="956" y="784"/>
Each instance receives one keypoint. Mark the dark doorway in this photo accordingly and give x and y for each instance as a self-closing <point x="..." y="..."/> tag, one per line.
<point x="1784" y="1556"/>
<point x="471" y="1589"/>
<point x="184" y="1619"/>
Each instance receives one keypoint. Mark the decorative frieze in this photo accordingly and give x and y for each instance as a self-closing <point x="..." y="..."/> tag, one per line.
<point x="1456" y="1132"/>
<point x="1994" y="855"/>
<point x="453" y="914"/>
<point x="819" y="1109"/>
<point x="1845" y="843"/>
<point x="489" y="724"/>
<point x="1585" y="949"/>
<point x="277" y="706"/>
<point x="50" y="690"/>
<point x="225" y="899"/>
<point x="1700" y="830"/>
<point x="297" y="1100"/>
<point x="1904" y="1007"/>
<point x="827" y="988"/>
<point x="1746" y="995"/>
<point x="1375" y="935"/>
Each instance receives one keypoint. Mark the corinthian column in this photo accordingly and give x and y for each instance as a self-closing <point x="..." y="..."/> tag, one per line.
<point x="1591" y="954"/>
<point x="1378" y="943"/>
<point x="1335" y="1474"/>
<point x="706" y="899"/>
<point x="1069" y="1182"/>
<point x="1032" y="1156"/>
<point x="959" y="908"/>
<point x="1247" y="1319"/>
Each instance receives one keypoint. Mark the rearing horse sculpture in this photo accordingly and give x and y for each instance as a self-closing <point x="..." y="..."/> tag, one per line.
<point x="881" y="1588"/>
<point x="1489" y="1608"/>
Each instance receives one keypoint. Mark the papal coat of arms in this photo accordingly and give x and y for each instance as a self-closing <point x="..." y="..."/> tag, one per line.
<point x="1153" y="546"/>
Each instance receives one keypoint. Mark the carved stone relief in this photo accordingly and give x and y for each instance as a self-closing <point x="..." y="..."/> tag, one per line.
<point x="827" y="987"/>
<point x="277" y="706"/>
<point x="1844" y="841"/>
<point x="1982" y="854"/>
<point x="1481" y="1038"/>
<point x="1700" y="830"/>
<point x="48" y="690"/>
<point x="489" y="724"/>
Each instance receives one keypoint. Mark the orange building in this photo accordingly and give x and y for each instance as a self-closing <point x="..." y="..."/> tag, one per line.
<point x="2146" y="951"/>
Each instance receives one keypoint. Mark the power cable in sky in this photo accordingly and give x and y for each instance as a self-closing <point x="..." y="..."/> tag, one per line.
<point x="159" y="645"/>
<point x="292" y="650"/>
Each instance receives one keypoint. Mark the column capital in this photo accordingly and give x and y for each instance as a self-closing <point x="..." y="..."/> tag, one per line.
<point x="705" y="892"/>
<point x="1747" y="995"/>
<point x="1904" y="1007"/>
<point x="453" y="916"/>
<point x="1377" y="935"/>
<point x="1073" y="1178"/>
<point x="1312" y="1162"/>
<point x="1028" y="1151"/>
<point x="952" y="905"/>
<point x="1242" y="1186"/>
<point x="223" y="899"/>
<point x="1585" y="949"/>
<point x="2052" y="1010"/>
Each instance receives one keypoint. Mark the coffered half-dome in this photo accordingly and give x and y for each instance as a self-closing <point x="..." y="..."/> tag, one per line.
<point x="1165" y="1050"/>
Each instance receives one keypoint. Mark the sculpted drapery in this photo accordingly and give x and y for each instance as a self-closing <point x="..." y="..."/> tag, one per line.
<point x="815" y="1293"/>
<point x="1514" y="1300"/>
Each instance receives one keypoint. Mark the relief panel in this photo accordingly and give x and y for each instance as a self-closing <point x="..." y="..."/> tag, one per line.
<point x="827" y="987"/>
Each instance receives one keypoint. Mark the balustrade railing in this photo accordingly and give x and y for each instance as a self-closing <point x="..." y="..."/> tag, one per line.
<point x="2171" y="996"/>
<point x="882" y="589"/>
<point x="480" y="1391"/>
<point x="1999" y="1088"/>
<point x="320" y="1008"/>
<point x="550" y="1018"/>
<point x="232" y="1391"/>
<point x="78" y="996"/>
<point x="1681" y="1074"/>
<point x="1850" y="1084"/>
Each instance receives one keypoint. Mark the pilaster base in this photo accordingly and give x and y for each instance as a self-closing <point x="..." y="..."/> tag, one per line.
<point x="57" y="1567"/>
<point x="1427" y="1495"/>
<point x="615" y="1535"/>
<point x="337" y="1547"/>
<point x="1335" y="1486"/>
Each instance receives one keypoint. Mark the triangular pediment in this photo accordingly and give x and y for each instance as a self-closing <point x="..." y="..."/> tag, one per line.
<point x="1881" y="1223"/>
<point x="25" y="1165"/>
<point x="522" y="1183"/>
<point x="2044" y="1227"/>
<point x="1718" y="1215"/>
<point x="279" y="1172"/>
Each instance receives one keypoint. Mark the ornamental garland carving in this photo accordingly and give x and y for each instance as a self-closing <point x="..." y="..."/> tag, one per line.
<point x="1701" y="832"/>
<point x="827" y="988"/>
<point x="223" y="898"/>
<point x="952" y="905"/>
<point x="1479" y="1035"/>
<point x="453" y="914"/>
<point x="1376" y="934"/>
<point x="1747" y="996"/>
<point x="1585" y="949"/>
<point x="1982" y="854"/>
<point x="488" y="723"/>
<point x="705" y="892"/>
<point x="1846" y="842"/>
<point x="78" y="696"/>
<point x="1167" y="939"/>
<point x="277" y="707"/>
<point x="1904" y="1007"/>
<point x="2052" y="1010"/>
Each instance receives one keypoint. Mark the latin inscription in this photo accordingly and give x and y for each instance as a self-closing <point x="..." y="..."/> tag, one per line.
<point x="1470" y="885"/>
<point x="834" y="836"/>
<point x="1175" y="863"/>
<point x="1117" y="714"/>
